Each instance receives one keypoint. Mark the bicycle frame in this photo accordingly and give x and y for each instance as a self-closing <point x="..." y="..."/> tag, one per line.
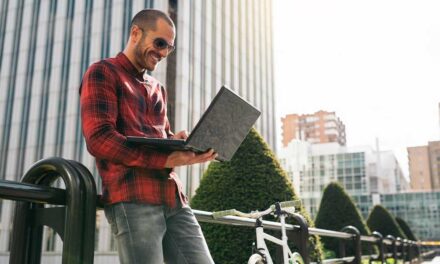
<point x="261" y="244"/>
<point x="279" y="209"/>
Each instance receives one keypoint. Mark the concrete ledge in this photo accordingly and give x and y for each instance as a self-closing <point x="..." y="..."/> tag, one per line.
<point x="110" y="257"/>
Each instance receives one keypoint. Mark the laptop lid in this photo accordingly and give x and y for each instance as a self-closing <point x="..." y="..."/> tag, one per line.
<point x="224" y="125"/>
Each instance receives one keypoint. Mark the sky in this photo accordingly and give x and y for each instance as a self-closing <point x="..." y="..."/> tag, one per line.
<point x="375" y="63"/>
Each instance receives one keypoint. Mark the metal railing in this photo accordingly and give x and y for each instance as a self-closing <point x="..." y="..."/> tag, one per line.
<point x="73" y="218"/>
<point x="388" y="247"/>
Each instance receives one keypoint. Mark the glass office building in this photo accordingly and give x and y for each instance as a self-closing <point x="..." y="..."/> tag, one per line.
<point x="46" y="45"/>
<point x="349" y="169"/>
<point x="369" y="177"/>
<point x="360" y="170"/>
<point x="420" y="210"/>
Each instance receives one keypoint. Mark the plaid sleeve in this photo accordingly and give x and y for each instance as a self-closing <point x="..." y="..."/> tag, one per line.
<point x="170" y="134"/>
<point x="99" y="111"/>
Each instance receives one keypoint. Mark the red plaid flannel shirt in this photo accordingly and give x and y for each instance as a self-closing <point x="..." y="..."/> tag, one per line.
<point x="118" y="101"/>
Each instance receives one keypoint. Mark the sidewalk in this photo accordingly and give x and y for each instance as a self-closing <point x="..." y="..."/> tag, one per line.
<point x="435" y="260"/>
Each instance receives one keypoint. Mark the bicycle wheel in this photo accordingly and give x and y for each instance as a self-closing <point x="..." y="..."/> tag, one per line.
<point x="256" y="259"/>
<point x="296" y="259"/>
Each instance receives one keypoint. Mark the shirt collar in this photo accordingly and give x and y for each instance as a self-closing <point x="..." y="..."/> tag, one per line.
<point x="128" y="66"/>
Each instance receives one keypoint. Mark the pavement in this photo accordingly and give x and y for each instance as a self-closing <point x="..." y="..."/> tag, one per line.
<point x="435" y="260"/>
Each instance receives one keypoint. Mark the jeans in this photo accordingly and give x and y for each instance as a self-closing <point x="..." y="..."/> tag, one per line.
<point x="153" y="234"/>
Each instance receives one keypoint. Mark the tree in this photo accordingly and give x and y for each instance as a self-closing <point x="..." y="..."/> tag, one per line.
<point x="405" y="228"/>
<point x="336" y="211"/>
<point x="382" y="221"/>
<point x="252" y="180"/>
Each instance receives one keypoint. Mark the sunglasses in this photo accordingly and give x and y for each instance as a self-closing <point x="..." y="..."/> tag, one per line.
<point x="161" y="44"/>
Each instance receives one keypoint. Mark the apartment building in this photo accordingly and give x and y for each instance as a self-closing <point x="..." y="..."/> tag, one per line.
<point x="319" y="127"/>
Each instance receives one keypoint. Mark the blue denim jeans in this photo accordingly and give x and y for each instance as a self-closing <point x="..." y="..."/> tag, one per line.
<point x="156" y="234"/>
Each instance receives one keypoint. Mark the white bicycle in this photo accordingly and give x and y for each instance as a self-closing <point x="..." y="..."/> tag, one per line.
<point x="262" y="255"/>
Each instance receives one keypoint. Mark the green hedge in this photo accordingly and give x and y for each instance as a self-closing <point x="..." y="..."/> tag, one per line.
<point x="336" y="211"/>
<point x="382" y="221"/>
<point x="252" y="180"/>
<point x="405" y="228"/>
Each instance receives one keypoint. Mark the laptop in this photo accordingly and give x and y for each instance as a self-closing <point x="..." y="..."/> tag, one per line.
<point x="222" y="127"/>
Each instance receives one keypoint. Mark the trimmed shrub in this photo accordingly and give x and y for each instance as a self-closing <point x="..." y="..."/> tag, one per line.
<point x="409" y="234"/>
<point x="252" y="180"/>
<point x="405" y="228"/>
<point x="336" y="211"/>
<point x="382" y="221"/>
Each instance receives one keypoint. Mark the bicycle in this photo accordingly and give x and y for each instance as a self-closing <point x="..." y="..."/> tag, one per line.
<point x="261" y="254"/>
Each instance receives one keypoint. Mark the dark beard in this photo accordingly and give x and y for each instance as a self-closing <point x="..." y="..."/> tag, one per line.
<point x="140" y="57"/>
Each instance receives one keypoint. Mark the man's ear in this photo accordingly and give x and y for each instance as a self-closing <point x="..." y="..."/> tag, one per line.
<point x="135" y="34"/>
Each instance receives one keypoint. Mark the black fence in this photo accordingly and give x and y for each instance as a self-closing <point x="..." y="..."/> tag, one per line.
<point x="73" y="217"/>
<point x="388" y="247"/>
<point x="72" y="214"/>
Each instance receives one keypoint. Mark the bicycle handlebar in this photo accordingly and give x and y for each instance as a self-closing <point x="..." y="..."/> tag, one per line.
<point x="220" y="214"/>
<point x="234" y="212"/>
<point x="285" y="204"/>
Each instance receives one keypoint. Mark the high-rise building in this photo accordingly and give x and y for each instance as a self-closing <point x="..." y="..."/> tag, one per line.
<point x="320" y="127"/>
<point x="46" y="46"/>
<point x="424" y="166"/>
<point x="434" y="162"/>
<point x="419" y="169"/>
<point x="294" y="160"/>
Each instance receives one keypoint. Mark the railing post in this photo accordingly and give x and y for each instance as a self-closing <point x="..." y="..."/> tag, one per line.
<point x="398" y="247"/>
<point x="356" y="240"/>
<point x="89" y="211"/>
<point x="405" y="248"/>
<point x="379" y="243"/>
<point x="419" y="251"/>
<point x="75" y="222"/>
<point x="411" y="251"/>
<point x="302" y="238"/>
<point x="393" y="246"/>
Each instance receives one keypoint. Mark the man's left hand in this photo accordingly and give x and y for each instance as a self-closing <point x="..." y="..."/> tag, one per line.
<point x="181" y="135"/>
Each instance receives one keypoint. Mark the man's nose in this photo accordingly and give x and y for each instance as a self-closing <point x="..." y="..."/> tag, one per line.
<point x="163" y="53"/>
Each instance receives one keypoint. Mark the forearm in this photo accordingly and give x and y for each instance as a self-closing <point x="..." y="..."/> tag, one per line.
<point x="104" y="142"/>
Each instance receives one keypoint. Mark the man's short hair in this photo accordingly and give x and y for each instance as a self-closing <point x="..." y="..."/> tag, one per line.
<point x="147" y="19"/>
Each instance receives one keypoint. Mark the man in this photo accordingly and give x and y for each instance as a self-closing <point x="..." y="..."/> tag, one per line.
<point x="143" y="197"/>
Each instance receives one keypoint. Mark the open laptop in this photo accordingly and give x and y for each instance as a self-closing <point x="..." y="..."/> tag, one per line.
<point x="223" y="127"/>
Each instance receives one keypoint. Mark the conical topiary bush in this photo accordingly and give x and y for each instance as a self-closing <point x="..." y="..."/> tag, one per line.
<point x="408" y="233"/>
<point x="405" y="228"/>
<point x="382" y="221"/>
<point x="336" y="211"/>
<point x="252" y="180"/>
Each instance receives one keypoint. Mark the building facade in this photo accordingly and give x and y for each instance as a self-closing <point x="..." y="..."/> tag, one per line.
<point x="424" y="166"/>
<point x="419" y="169"/>
<point x="320" y="127"/>
<point x="46" y="46"/>
<point x="434" y="162"/>
<point x="370" y="177"/>
<point x="361" y="170"/>
<point x="420" y="210"/>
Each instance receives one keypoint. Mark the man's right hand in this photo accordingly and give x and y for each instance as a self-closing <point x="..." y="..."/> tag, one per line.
<point x="180" y="158"/>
